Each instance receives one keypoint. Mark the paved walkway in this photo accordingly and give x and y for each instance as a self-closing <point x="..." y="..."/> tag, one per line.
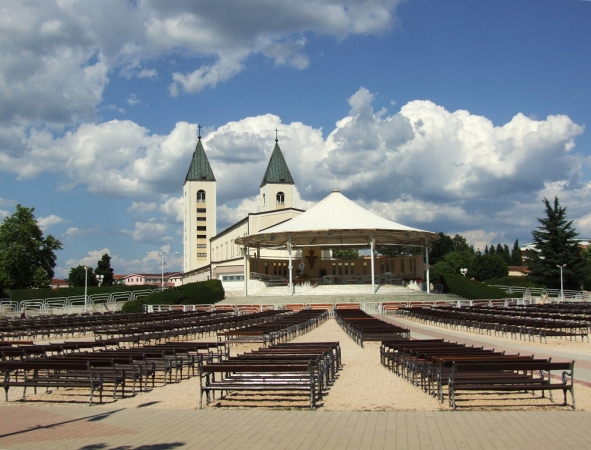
<point x="39" y="427"/>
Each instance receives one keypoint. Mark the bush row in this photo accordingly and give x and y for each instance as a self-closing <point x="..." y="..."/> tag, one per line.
<point x="203" y="292"/>
<point x="470" y="289"/>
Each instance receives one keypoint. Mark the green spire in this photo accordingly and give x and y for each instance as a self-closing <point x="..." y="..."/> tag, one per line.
<point x="200" y="170"/>
<point x="277" y="170"/>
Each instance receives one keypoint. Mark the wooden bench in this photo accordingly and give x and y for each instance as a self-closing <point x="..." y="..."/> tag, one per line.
<point x="51" y="374"/>
<point x="257" y="377"/>
<point x="509" y="376"/>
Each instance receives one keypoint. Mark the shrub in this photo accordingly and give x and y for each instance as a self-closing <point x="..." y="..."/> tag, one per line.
<point x="133" y="306"/>
<point x="469" y="289"/>
<point x="203" y="292"/>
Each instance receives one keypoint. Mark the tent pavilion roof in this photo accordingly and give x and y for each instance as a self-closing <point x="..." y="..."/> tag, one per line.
<point x="337" y="221"/>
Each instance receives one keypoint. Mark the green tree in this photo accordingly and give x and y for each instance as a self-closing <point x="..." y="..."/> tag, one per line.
<point x="556" y="245"/>
<point x="104" y="268"/>
<point x="461" y="244"/>
<point x="452" y="262"/>
<point x="24" y="250"/>
<point x="78" y="275"/>
<point x="40" y="279"/>
<point x="516" y="259"/>
<point x="492" y="250"/>
<point x="485" y="267"/>
<point x="346" y="253"/>
<point x="400" y="250"/>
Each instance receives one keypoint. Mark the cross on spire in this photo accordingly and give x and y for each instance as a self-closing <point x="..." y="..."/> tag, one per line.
<point x="276" y="131"/>
<point x="199" y="131"/>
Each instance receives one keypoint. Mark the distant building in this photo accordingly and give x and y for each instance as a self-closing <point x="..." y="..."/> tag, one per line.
<point x="56" y="283"/>
<point x="583" y="244"/>
<point x="171" y="279"/>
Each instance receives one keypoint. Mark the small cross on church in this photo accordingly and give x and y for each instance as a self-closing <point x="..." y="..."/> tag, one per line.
<point x="199" y="131"/>
<point x="276" y="138"/>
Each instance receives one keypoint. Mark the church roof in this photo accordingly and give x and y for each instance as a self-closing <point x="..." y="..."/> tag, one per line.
<point x="199" y="170"/>
<point x="277" y="170"/>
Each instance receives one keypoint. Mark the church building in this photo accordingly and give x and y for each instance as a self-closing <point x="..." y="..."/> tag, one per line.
<point x="208" y="254"/>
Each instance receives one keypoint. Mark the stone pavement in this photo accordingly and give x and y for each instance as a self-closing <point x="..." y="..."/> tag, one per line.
<point x="88" y="428"/>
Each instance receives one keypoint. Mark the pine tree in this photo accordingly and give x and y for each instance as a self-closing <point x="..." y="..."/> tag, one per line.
<point x="556" y="245"/>
<point x="491" y="250"/>
<point x="104" y="268"/>
<point x="506" y="254"/>
<point x="516" y="259"/>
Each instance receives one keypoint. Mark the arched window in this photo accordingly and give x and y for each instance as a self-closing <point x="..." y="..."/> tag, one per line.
<point x="280" y="198"/>
<point x="201" y="196"/>
<point x="264" y="199"/>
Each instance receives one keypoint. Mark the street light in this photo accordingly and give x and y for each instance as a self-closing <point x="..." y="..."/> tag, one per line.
<point x="561" y="281"/>
<point x="85" y="288"/>
<point x="100" y="279"/>
<point x="464" y="271"/>
<point x="162" y="264"/>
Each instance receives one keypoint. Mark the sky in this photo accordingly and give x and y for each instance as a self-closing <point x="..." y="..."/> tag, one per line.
<point x="458" y="116"/>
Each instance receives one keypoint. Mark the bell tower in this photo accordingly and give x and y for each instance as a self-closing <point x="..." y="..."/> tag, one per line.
<point x="200" y="203"/>
<point x="277" y="187"/>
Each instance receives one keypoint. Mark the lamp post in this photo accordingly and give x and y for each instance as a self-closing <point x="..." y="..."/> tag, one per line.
<point x="162" y="264"/>
<point x="561" y="281"/>
<point x="100" y="279"/>
<point x="464" y="271"/>
<point x="85" y="288"/>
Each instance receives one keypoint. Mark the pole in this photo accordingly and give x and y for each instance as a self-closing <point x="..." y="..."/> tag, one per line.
<point x="245" y="251"/>
<point x="427" y="280"/>
<point x="85" y="288"/>
<point x="290" y="267"/>
<point x="373" y="278"/>
<point x="162" y="264"/>
<point x="561" y="282"/>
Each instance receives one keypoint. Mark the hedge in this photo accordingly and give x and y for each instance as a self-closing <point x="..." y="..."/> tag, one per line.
<point x="203" y="292"/>
<point x="470" y="289"/>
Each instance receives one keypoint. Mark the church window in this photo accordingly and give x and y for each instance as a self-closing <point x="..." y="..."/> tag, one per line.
<point x="201" y="219"/>
<point x="201" y="210"/>
<point x="280" y="198"/>
<point x="201" y="196"/>
<point x="264" y="199"/>
<point x="201" y="228"/>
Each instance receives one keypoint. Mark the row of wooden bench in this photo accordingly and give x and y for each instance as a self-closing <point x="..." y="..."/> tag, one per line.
<point x="32" y="366"/>
<point x="434" y="363"/>
<point x="499" y="321"/>
<point x="284" y="328"/>
<point x="287" y="368"/>
<point x="362" y="327"/>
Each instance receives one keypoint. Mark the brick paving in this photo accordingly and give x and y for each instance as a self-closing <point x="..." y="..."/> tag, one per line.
<point x="88" y="428"/>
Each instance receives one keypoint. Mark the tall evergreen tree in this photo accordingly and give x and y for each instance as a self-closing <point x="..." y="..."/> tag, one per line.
<point x="556" y="245"/>
<point x="506" y="254"/>
<point x="104" y="268"/>
<point x="492" y="251"/>
<point x="516" y="259"/>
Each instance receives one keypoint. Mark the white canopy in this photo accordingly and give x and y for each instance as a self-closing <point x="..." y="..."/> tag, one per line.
<point x="337" y="221"/>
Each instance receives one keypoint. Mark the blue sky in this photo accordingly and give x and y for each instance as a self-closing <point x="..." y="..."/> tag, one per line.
<point x="457" y="116"/>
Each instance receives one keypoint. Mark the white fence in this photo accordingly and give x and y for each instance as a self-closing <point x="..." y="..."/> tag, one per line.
<point x="72" y="304"/>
